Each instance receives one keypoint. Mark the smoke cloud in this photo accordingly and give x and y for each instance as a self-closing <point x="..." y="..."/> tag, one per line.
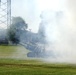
<point x="61" y="32"/>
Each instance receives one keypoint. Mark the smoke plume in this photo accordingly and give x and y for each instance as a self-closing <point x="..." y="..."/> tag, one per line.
<point x="61" y="32"/>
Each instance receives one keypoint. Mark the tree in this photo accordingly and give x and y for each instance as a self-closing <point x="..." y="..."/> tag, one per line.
<point x="18" y="25"/>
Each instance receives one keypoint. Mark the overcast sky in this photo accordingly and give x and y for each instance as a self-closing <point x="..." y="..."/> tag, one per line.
<point x="30" y="10"/>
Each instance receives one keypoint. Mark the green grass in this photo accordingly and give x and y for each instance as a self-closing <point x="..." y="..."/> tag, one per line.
<point x="7" y="50"/>
<point x="12" y="66"/>
<point x="12" y="51"/>
<point x="33" y="67"/>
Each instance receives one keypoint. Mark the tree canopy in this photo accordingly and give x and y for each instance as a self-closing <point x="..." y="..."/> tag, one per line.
<point x="18" y="25"/>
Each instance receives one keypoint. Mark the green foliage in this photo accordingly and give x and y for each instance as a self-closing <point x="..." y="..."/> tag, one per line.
<point x="19" y="24"/>
<point x="14" y="31"/>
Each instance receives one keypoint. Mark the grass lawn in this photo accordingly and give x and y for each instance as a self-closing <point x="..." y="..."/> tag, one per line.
<point x="33" y="67"/>
<point x="11" y="66"/>
<point x="13" y="51"/>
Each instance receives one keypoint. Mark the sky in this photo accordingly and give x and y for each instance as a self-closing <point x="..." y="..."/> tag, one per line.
<point x="30" y="10"/>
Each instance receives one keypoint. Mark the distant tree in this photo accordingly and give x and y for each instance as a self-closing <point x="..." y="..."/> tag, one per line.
<point x="18" y="25"/>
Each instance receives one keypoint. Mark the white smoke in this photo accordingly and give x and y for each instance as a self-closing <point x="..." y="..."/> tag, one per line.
<point x="61" y="32"/>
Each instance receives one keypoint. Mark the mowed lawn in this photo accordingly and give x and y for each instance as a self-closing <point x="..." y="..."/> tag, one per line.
<point x="12" y="66"/>
<point x="7" y="51"/>
<point x="33" y="67"/>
